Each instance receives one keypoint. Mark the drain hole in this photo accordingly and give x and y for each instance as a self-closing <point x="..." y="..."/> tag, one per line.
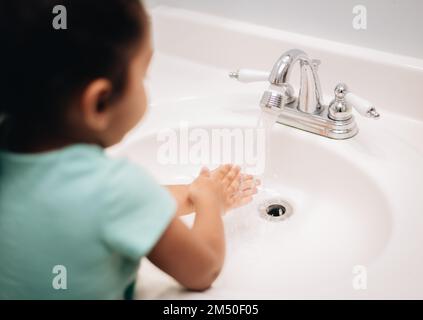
<point x="276" y="210"/>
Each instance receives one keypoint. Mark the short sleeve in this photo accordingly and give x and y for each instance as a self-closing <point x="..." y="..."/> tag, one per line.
<point x="138" y="211"/>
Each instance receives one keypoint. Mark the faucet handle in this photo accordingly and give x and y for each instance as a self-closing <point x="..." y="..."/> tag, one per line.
<point x="363" y="107"/>
<point x="249" y="75"/>
<point x="340" y="107"/>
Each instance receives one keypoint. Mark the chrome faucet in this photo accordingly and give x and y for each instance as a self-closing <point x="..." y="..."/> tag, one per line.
<point x="306" y="110"/>
<point x="309" y="97"/>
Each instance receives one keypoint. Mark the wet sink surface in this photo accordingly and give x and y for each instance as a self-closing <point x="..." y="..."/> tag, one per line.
<point x="342" y="217"/>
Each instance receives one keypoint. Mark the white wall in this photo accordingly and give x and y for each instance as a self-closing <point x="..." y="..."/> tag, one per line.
<point x="395" y="26"/>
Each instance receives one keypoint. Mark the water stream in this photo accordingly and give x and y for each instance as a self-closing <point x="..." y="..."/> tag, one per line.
<point x="266" y="122"/>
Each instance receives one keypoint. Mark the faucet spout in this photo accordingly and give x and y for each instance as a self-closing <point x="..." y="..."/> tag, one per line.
<point x="283" y="67"/>
<point x="309" y="96"/>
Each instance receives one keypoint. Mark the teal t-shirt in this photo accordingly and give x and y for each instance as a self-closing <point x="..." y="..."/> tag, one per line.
<point x="74" y="223"/>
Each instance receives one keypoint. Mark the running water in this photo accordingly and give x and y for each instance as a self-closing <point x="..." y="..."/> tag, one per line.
<point x="266" y="122"/>
<point x="248" y="213"/>
<point x="265" y="172"/>
<point x="243" y="222"/>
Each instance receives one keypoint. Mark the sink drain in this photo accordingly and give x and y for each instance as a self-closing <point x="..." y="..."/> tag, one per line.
<point x="275" y="210"/>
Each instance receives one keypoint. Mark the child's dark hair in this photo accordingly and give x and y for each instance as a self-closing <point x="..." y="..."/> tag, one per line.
<point x="42" y="69"/>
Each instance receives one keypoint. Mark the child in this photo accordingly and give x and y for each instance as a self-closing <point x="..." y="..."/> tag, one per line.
<point x="73" y="222"/>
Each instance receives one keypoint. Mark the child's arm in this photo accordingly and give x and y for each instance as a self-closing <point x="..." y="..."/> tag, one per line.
<point x="181" y="194"/>
<point x="194" y="257"/>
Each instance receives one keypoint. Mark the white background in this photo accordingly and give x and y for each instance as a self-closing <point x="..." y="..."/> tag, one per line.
<point x="394" y="26"/>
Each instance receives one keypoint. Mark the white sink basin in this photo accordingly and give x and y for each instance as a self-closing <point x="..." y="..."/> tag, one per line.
<point x="342" y="216"/>
<point x="356" y="202"/>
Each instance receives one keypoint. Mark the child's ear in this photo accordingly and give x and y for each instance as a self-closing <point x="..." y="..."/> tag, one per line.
<point x="94" y="104"/>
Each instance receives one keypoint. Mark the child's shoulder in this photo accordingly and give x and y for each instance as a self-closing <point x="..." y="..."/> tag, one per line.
<point x="90" y="165"/>
<point x="76" y="175"/>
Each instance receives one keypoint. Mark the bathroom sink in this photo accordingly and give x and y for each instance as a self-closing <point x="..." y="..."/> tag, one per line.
<point x="339" y="220"/>
<point x="341" y="217"/>
<point x="357" y="207"/>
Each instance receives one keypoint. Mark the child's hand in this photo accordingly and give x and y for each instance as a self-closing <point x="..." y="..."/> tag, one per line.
<point x="207" y="189"/>
<point x="238" y="188"/>
<point x="247" y="190"/>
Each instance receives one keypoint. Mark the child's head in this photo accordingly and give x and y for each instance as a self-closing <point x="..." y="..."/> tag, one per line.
<point x="80" y="84"/>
